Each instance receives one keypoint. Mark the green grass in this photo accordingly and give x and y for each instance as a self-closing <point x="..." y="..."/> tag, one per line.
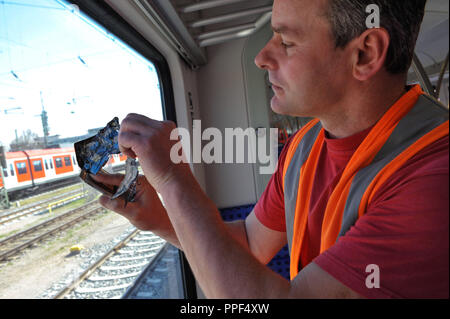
<point x="57" y="211"/>
<point x="56" y="193"/>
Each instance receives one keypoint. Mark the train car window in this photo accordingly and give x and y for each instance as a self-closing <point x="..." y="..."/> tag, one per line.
<point x="21" y="168"/>
<point x="63" y="76"/>
<point x="58" y="162"/>
<point x="5" y="172"/>
<point x="74" y="160"/>
<point x="11" y="169"/>
<point x="67" y="161"/>
<point x="37" y="166"/>
<point x="57" y="89"/>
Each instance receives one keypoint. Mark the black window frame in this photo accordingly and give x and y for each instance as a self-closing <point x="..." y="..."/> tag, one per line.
<point x="104" y="15"/>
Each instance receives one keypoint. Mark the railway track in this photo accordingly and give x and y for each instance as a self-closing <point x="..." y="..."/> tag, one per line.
<point x="42" y="189"/>
<point x="161" y="279"/>
<point x="113" y="273"/>
<point x="16" y="243"/>
<point x="40" y="206"/>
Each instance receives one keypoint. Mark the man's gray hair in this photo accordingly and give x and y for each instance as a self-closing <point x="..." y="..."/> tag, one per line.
<point x="401" y="18"/>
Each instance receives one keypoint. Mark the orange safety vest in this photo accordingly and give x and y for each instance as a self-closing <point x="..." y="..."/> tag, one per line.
<point x="410" y="125"/>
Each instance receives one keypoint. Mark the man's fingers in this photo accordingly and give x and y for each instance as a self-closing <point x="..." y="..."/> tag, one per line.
<point x="138" y="123"/>
<point x="108" y="179"/>
<point x="126" y="142"/>
<point x="116" y="205"/>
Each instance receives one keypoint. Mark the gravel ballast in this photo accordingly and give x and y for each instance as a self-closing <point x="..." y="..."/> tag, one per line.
<point x="41" y="271"/>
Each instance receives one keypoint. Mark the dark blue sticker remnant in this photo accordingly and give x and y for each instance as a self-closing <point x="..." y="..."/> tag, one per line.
<point x="93" y="153"/>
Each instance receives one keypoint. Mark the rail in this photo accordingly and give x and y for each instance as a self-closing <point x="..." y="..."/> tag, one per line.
<point x="35" y="208"/>
<point x="117" y="269"/>
<point x="17" y="242"/>
<point x="79" y="195"/>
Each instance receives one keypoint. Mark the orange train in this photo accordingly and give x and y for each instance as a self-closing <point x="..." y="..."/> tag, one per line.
<point x="31" y="169"/>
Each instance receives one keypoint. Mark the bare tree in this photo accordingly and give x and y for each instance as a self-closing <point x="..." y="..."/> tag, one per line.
<point x="28" y="141"/>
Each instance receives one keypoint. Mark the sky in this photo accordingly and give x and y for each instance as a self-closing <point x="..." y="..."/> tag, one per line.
<point x="53" y="56"/>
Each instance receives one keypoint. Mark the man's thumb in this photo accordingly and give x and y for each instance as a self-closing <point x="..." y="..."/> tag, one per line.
<point x="110" y="204"/>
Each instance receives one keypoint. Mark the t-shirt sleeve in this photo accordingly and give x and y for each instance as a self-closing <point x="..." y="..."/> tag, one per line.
<point x="270" y="207"/>
<point x="403" y="236"/>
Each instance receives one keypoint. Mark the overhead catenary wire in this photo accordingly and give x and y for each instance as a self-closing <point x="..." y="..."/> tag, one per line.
<point x="64" y="7"/>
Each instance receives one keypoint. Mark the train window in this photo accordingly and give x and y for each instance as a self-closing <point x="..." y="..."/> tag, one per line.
<point x="58" y="162"/>
<point x="5" y="172"/>
<point x="64" y="76"/>
<point x="74" y="160"/>
<point x="37" y="166"/>
<point x="57" y="89"/>
<point x="67" y="161"/>
<point x="11" y="169"/>
<point x="21" y="168"/>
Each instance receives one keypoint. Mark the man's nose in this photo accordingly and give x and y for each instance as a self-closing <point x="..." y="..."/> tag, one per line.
<point x="264" y="60"/>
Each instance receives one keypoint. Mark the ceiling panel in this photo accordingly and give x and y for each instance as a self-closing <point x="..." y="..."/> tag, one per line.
<point x="215" y="21"/>
<point x="193" y="25"/>
<point x="433" y="42"/>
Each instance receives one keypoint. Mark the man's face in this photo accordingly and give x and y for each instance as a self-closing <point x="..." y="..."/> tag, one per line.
<point x="307" y="72"/>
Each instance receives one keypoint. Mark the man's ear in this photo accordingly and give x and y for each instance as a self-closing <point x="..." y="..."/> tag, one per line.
<point x="370" y="52"/>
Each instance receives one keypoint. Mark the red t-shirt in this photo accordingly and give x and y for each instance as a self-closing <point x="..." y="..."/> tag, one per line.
<point x="404" y="230"/>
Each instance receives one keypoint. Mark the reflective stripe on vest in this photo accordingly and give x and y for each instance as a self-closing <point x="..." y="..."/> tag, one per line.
<point x="292" y="174"/>
<point x="413" y="123"/>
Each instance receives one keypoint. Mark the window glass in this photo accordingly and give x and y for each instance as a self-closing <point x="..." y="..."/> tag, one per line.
<point x="62" y="78"/>
<point x="58" y="162"/>
<point x="21" y="168"/>
<point x="37" y="166"/>
<point x="67" y="161"/>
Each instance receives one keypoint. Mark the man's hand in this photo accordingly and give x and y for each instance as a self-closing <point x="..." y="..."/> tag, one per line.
<point x="149" y="140"/>
<point x="146" y="212"/>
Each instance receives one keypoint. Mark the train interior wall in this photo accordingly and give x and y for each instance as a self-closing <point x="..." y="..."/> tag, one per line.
<point x="233" y="94"/>
<point x="224" y="103"/>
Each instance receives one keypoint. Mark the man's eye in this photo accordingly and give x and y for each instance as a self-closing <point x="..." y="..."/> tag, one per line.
<point x="286" y="45"/>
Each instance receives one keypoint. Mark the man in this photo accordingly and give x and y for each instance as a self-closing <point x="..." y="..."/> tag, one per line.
<point x="371" y="216"/>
